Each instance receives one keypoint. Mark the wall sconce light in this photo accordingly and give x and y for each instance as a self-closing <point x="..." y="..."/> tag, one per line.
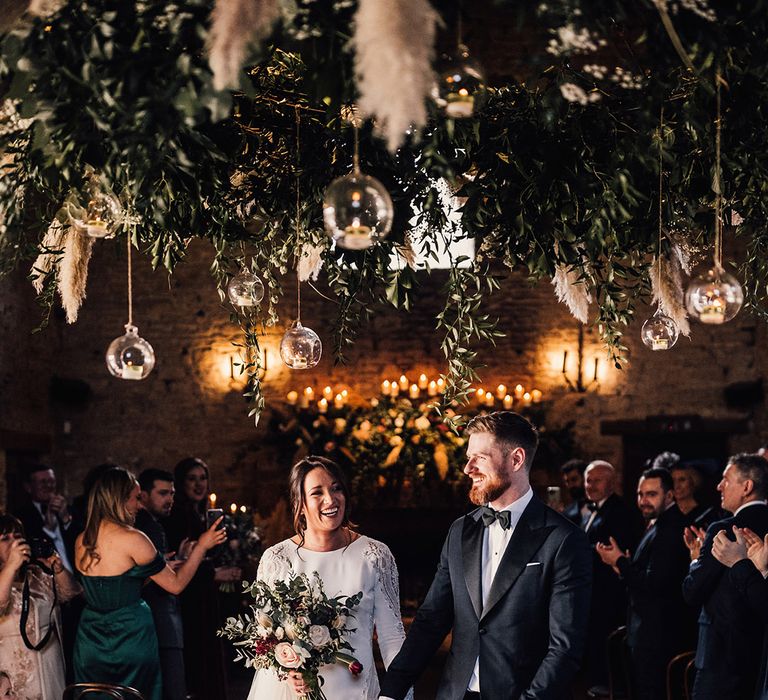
<point x="580" y="385"/>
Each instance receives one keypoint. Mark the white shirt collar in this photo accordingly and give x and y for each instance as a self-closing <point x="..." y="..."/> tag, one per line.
<point x="517" y="507"/>
<point x="749" y="503"/>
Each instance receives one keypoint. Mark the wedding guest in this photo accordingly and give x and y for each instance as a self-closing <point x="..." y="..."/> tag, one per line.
<point x="573" y="481"/>
<point x="747" y="558"/>
<point x="665" y="460"/>
<point x="728" y="649"/>
<point x="347" y="562"/>
<point x="611" y="517"/>
<point x="512" y="583"/>
<point x="659" y="625"/>
<point x="200" y="612"/>
<point x="31" y="674"/>
<point x="116" y="640"/>
<point x="46" y="515"/>
<point x="156" y="498"/>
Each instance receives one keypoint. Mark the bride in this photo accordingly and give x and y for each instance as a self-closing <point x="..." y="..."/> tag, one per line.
<point x="347" y="562"/>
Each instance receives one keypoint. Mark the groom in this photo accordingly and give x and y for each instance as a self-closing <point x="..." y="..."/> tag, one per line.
<point x="513" y="583"/>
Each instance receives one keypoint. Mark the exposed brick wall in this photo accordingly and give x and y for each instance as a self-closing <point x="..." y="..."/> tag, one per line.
<point x="189" y="406"/>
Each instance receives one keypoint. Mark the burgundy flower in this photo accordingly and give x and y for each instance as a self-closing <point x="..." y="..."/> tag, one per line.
<point x="355" y="668"/>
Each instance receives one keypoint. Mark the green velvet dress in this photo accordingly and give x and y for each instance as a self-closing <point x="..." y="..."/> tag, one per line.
<point x="116" y="640"/>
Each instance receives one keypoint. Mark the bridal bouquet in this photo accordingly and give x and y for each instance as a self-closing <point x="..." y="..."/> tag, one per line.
<point x="294" y="626"/>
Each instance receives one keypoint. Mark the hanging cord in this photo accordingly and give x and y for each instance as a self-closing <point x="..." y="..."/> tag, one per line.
<point x="356" y="151"/>
<point x="298" y="211"/>
<point x="130" y="283"/>
<point x="661" y="198"/>
<point x="718" y="180"/>
<point x="460" y="27"/>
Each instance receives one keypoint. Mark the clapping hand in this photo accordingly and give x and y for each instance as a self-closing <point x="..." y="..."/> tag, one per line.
<point x="727" y="551"/>
<point x="757" y="549"/>
<point x="57" y="506"/>
<point x="611" y="553"/>
<point x="694" y="539"/>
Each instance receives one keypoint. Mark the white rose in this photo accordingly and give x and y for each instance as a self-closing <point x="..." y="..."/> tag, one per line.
<point x="319" y="635"/>
<point x="339" y="622"/>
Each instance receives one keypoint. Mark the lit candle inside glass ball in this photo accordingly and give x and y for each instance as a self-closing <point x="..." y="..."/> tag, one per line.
<point x="713" y="311"/>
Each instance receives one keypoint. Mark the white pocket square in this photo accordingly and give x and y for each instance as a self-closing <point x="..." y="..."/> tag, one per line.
<point x="534" y="563"/>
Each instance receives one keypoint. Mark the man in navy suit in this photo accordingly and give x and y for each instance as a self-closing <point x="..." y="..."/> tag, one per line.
<point x="659" y="625"/>
<point x="513" y="583"/>
<point x="730" y="636"/>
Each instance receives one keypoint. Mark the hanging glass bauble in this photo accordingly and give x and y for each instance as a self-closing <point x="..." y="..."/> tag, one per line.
<point x="300" y="347"/>
<point x="357" y="211"/>
<point x="245" y="289"/>
<point x="130" y="356"/>
<point x="460" y="79"/>
<point x="659" y="332"/>
<point x="714" y="296"/>
<point x="101" y="215"/>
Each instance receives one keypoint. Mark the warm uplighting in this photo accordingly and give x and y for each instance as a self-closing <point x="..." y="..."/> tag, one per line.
<point x="423" y="381"/>
<point x="432" y="389"/>
<point x="386" y="387"/>
<point x="508" y="402"/>
<point x="519" y="391"/>
<point x="501" y="391"/>
<point x="481" y="394"/>
<point x="413" y="392"/>
<point x="403" y="383"/>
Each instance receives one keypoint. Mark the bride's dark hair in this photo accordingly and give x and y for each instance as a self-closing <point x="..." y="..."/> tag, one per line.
<point x="296" y="480"/>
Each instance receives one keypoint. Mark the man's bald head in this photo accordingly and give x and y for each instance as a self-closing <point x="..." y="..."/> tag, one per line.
<point x="599" y="480"/>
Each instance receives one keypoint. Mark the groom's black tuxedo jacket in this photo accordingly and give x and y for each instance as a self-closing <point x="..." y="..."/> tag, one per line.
<point x="531" y="632"/>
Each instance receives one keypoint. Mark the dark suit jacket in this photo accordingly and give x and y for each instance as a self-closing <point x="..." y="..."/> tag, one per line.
<point x="33" y="528"/>
<point x="530" y="634"/>
<point x="730" y="637"/>
<point x="573" y="512"/>
<point x="166" y="609"/>
<point x="609" y="600"/>
<point x="658" y="620"/>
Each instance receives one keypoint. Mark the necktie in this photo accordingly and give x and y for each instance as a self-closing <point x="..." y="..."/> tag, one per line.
<point x="489" y="515"/>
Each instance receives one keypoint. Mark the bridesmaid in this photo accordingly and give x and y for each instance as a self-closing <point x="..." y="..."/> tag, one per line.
<point x="116" y="640"/>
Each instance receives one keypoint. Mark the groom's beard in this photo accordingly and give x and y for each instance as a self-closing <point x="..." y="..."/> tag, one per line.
<point x="488" y="490"/>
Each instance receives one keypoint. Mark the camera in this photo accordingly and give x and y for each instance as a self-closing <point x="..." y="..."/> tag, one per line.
<point x="41" y="548"/>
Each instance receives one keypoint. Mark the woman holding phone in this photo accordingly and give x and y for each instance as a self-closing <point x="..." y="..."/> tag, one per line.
<point x="204" y="662"/>
<point x="116" y="640"/>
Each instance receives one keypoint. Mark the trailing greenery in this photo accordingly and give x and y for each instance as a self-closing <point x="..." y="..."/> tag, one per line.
<point x="558" y="170"/>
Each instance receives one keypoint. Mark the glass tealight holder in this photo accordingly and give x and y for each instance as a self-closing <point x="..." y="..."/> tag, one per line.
<point x="245" y="289"/>
<point x="130" y="356"/>
<point x="659" y="332"/>
<point x="300" y="347"/>
<point x="460" y="79"/>
<point x="357" y="211"/>
<point x="714" y="296"/>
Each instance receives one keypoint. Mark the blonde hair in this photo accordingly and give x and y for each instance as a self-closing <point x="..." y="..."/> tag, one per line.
<point x="107" y="502"/>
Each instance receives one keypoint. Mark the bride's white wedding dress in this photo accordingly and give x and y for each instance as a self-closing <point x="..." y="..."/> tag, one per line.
<point x="365" y="565"/>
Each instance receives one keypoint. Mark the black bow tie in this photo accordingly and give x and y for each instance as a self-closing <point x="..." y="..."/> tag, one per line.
<point x="592" y="506"/>
<point x="489" y="515"/>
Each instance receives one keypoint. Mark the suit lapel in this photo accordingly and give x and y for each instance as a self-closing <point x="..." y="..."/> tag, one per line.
<point x="526" y="540"/>
<point x="472" y="553"/>
<point x="648" y="537"/>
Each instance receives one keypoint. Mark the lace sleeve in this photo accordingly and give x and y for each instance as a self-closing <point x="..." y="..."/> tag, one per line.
<point x="386" y="613"/>
<point x="274" y="564"/>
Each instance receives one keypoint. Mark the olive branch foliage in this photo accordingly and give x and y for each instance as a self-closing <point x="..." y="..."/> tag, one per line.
<point x="124" y="87"/>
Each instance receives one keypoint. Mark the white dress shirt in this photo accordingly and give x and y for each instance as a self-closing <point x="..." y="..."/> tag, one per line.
<point x="56" y="537"/>
<point x="495" y="541"/>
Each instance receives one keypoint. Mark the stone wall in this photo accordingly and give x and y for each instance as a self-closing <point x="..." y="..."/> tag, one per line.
<point x="191" y="406"/>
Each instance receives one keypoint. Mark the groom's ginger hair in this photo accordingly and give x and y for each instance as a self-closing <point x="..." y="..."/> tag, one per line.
<point x="510" y="429"/>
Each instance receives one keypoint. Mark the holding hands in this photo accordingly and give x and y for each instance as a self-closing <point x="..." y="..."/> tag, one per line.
<point x="694" y="539"/>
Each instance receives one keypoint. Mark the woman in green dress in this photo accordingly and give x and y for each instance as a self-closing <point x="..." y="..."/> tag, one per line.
<point x="116" y="640"/>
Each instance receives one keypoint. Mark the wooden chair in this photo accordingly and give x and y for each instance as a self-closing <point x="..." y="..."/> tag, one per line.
<point x="83" y="690"/>
<point x="618" y="665"/>
<point x="678" y="671"/>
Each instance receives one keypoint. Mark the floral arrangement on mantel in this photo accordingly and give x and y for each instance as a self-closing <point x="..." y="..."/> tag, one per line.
<point x="556" y="173"/>
<point x="395" y="448"/>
